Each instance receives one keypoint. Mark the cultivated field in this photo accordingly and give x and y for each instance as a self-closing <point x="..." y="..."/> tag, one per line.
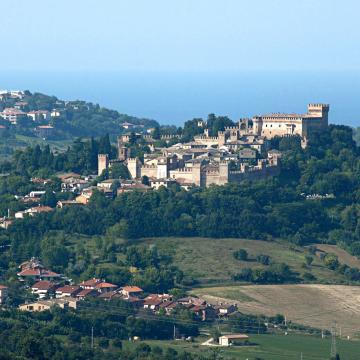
<point x="313" y="305"/>
<point x="269" y="347"/>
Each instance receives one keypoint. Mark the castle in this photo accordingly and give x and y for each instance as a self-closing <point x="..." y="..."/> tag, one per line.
<point x="238" y="153"/>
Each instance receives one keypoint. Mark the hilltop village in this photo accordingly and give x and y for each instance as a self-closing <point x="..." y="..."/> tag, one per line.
<point x="237" y="153"/>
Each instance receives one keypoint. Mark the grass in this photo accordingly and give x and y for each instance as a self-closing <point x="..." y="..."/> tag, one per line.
<point x="210" y="261"/>
<point x="271" y="347"/>
<point x="314" y="305"/>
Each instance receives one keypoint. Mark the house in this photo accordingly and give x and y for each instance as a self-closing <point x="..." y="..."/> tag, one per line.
<point x="44" y="131"/>
<point x="3" y="293"/>
<point x="43" y="305"/>
<point x="89" y="284"/>
<point x="204" y="312"/>
<point x="168" y="306"/>
<point x="43" y="288"/>
<point x="127" y="125"/>
<point x="37" y="194"/>
<point x="84" y="293"/>
<point x="152" y="303"/>
<point x="39" y="115"/>
<point x="12" y="115"/>
<point x="104" y="287"/>
<point x="33" y="211"/>
<point x="106" y="184"/>
<point x="128" y="291"/>
<point x="109" y="295"/>
<point x="228" y="340"/>
<point x="225" y="309"/>
<point x="67" y="291"/>
<point x="34" y="275"/>
<point x="157" y="183"/>
<point x="5" y="223"/>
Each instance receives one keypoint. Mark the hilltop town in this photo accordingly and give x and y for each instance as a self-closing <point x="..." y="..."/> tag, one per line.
<point x="237" y="153"/>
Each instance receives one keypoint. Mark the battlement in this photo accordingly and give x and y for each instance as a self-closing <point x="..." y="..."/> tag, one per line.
<point x="183" y="170"/>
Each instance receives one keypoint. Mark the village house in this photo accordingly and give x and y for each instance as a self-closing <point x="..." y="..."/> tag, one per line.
<point x="39" y="115"/>
<point x="130" y="291"/>
<point x="104" y="287"/>
<point x="34" y="271"/>
<point x="85" y="293"/>
<point x="33" y="211"/>
<point x="67" y="291"/>
<point x="43" y="305"/>
<point x="44" y="288"/>
<point x="12" y="115"/>
<point x="3" y="294"/>
<point x="225" y="309"/>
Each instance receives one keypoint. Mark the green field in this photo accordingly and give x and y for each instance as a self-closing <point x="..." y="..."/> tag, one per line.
<point x="271" y="347"/>
<point x="210" y="260"/>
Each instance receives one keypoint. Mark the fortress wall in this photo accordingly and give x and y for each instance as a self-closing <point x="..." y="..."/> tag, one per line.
<point x="149" y="171"/>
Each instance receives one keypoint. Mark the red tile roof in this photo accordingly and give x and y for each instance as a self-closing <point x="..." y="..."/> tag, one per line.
<point x="131" y="289"/>
<point x="3" y="287"/>
<point x="69" y="289"/>
<point x="43" y="285"/>
<point x="38" y="272"/>
<point x="105" y="285"/>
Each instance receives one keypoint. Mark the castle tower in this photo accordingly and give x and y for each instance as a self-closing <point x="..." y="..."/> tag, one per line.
<point x="123" y="151"/>
<point x="224" y="172"/>
<point x="198" y="177"/>
<point x="221" y="138"/>
<point x="162" y="168"/>
<point x="320" y="111"/>
<point x="257" y="125"/>
<point x="134" y="167"/>
<point x="103" y="163"/>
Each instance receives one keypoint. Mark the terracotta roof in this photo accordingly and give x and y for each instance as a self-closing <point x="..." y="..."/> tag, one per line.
<point x="168" y="304"/>
<point x="109" y="295"/>
<point x="38" y="272"/>
<point x="86" y="292"/>
<point x="68" y="289"/>
<point x="3" y="287"/>
<point x="105" y="285"/>
<point x="153" y="301"/>
<point x="43" y="285"/>
<point x="132" y="289"/>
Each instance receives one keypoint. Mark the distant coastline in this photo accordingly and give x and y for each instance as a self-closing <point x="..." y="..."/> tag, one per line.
<point x="172" y="98"/>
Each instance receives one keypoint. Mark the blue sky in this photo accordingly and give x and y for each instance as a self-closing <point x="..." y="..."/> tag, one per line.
<point x="183" y="35"/>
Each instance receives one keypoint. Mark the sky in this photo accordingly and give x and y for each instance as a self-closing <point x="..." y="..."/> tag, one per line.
<point x="180" y="35"/>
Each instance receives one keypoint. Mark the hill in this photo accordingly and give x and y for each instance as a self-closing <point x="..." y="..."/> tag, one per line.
<point x="309" y="304"/>
<point x="209" y="260"/>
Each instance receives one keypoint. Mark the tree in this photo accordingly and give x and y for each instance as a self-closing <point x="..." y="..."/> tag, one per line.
<point x="241" y="255"/>
<point x="309" y="260"/>
<point x="49" y="199"/>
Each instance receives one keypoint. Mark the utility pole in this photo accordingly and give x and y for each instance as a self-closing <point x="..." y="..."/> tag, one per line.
<point x="333" y="351"/>
<point x="92" y="337"/>
<point x="174" y="332"/>
<point x="301" y="356"/>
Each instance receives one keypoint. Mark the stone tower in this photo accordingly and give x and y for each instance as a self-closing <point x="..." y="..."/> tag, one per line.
<point x="103" y="163"/>
<point x="224" y="172"/>
<point x="123" y="151"/>
<point x="221" y="138"/>
<point x="134" y="167"/>
<point x="162" y="168"/>
<point x="321" y="111"/>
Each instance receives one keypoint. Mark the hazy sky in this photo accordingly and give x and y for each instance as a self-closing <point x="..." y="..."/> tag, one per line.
<point x="180" y="35"/>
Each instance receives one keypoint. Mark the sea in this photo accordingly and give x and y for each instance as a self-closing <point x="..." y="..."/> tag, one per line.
<point x="173" y="98"/>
